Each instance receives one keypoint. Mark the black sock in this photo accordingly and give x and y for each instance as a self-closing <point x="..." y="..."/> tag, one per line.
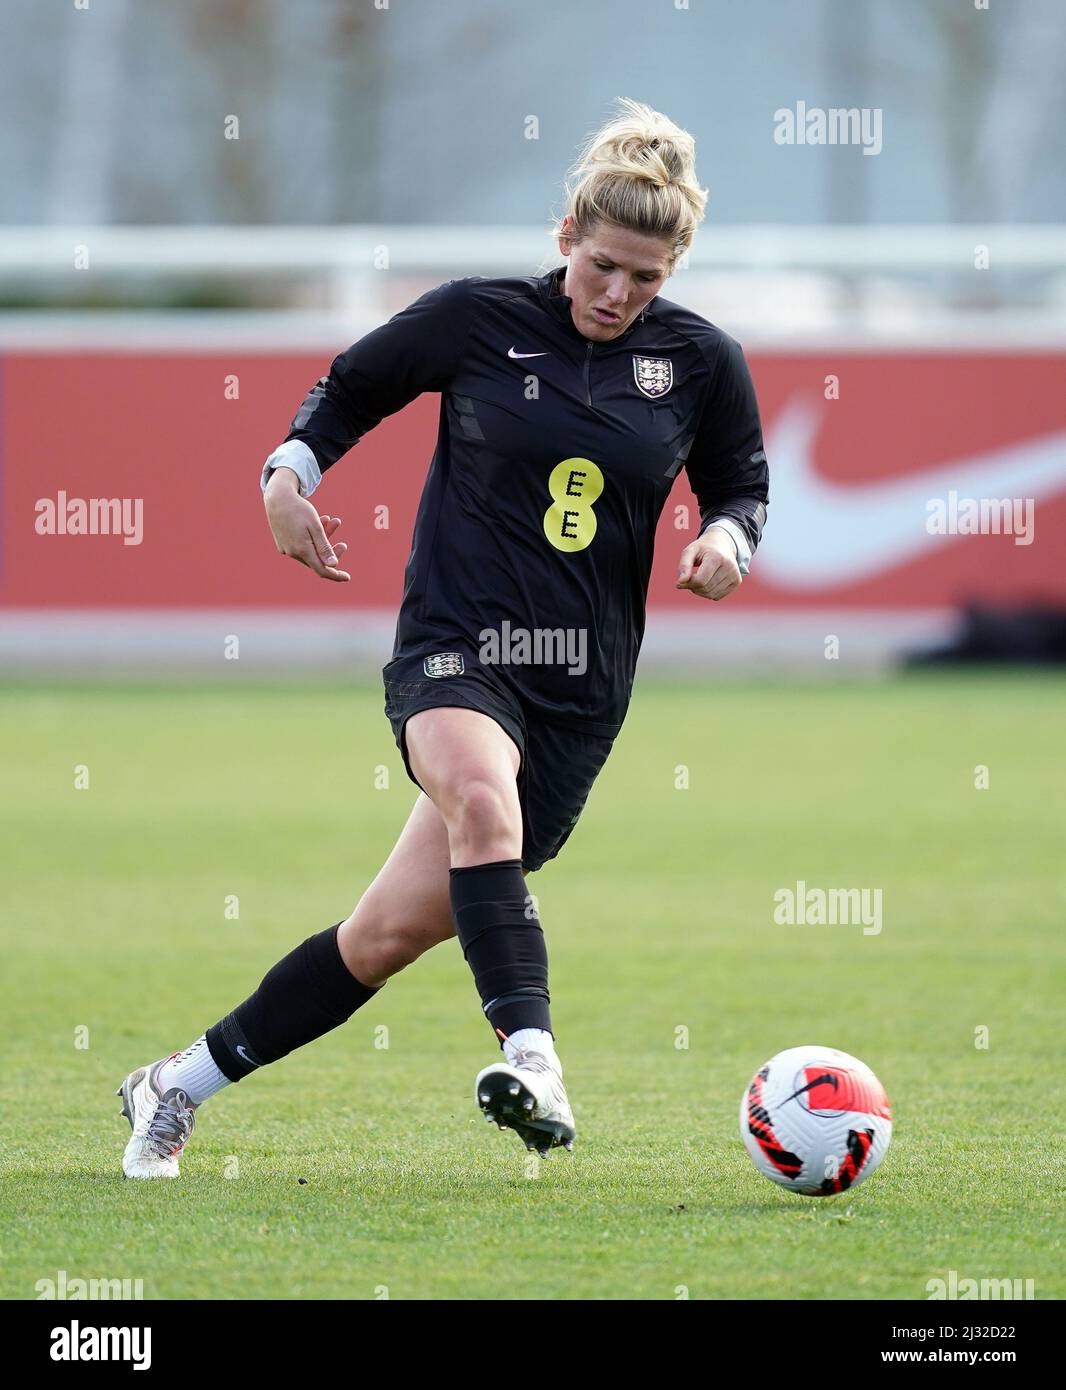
<point x="503" y="943"/>
<point x="308" y="993"/>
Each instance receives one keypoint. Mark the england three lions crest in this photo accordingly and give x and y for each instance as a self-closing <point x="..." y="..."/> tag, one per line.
<point x="654" y="375"/>
<point x="443" y="664"/>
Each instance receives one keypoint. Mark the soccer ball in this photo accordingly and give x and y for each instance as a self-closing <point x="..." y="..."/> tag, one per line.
<point x="815" y="1120"/>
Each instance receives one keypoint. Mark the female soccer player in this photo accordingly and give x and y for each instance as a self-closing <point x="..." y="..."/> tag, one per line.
<point x="569" y="404"/>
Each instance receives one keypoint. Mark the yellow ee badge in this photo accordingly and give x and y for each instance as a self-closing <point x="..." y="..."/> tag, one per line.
<point x="570" y="522"/>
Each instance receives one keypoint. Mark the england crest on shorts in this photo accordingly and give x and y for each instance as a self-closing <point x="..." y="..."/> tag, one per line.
<point x="654" y="375"/>
<point x="443" y="664"/>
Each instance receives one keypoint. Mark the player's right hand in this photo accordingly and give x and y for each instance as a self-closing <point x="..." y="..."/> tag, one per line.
<point x="298" y="529"/>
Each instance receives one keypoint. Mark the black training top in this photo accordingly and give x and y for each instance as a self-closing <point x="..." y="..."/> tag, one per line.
<point x="554" y="459"/>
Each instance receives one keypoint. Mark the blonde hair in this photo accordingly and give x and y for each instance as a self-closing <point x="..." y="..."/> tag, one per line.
<point x="638" y="172"/>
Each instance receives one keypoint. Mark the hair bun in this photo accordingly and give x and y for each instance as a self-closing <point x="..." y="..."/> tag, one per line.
<point x="638" y="171"/>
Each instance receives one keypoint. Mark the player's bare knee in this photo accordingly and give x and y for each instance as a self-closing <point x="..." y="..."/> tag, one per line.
<point x="394" y="948"/>
<point x="483" y="821"/>
<point x="375" y="944"/>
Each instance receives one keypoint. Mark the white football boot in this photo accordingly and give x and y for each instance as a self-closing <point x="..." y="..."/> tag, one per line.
<point x="528" y="1097"/>
<point x="161" y="1124"/>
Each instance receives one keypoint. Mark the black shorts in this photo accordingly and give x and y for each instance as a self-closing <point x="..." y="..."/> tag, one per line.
<point x="558" y="765"/>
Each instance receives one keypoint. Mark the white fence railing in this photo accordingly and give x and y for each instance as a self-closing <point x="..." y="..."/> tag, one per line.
<point x="359" y="248"/>
<point x="954" y="284"/>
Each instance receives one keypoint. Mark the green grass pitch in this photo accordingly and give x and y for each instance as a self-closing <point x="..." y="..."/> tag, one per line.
<point x="659" y="918"/>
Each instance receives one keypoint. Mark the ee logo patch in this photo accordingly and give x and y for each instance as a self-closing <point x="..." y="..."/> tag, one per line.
<point x="570" y="521"/>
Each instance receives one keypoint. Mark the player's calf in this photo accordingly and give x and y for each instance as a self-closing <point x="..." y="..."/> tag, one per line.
<point x="306" y="994"/>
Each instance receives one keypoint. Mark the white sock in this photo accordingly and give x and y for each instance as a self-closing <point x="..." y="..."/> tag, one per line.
<point x="195" y="1071"/>
<point x="537" y="1040"/>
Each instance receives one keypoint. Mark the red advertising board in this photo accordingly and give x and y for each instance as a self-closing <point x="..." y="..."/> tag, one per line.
<point x="875" y="459"/>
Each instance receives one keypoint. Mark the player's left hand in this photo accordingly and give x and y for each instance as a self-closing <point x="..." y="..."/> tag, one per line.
<point x="709" y="565"/>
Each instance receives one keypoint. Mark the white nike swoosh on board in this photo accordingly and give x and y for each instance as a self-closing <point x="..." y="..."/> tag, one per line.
<point x="829" y="534"/>
<point x="511" y="353"/>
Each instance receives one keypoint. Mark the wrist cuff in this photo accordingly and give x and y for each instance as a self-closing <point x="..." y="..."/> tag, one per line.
<point x="294" y="454"/>
<point x="738" y="538"/>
